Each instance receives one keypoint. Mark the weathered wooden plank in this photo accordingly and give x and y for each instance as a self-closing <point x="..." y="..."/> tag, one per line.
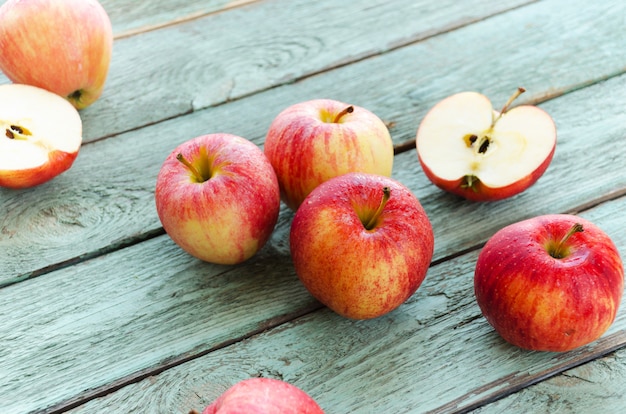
<point x="433" y="350"/>
<point x="131" y="18"/>
<point x="596" y="387"/>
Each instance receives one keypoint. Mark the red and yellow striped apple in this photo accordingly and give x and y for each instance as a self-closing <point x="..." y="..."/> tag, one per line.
<point x="217" y="197"/>
<point x="468" y="149"/>
<point x="63" y="46"/>
<point x="361" y="244"/>
<point x="313" y="141"/>
<point x="263" y="396"/>
<point x="41" y="135"/>
<point x="550" y="283"/>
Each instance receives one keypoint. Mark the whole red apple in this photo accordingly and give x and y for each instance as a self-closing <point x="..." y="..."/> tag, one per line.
<point x="217" y="197"/>
<point x="550" y="283"/>
<point x="313" y="141"/>
<point x="263" y="396"/>
<point x="468" y="149"/>
<point x="41" y="134"/>
<point x="361" y="244"/>
<point x="63" y="46"/>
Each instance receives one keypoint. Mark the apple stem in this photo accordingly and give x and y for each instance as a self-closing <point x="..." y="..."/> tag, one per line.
<point x="559" y="250"/>
<point x="191" y="168"/>
<point x="340" y="115"/>
<point x="372" y="221"/>
<point x="508" y="103"/>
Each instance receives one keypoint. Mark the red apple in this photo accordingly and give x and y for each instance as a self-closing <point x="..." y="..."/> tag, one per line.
<point x="63" y="46"/>
<point x="468" y="149"/>
<point x="217" y="197"/>
<point x="361" y="244"/>
<point x="310" y="142"/>
<point x="550" y="283"/>
<point x="263" y="396"/>
<point x="41" y="134"/>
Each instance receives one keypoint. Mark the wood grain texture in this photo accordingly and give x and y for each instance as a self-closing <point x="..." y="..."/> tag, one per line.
<point x="599" y="386"/>
<point x="106" y="199"/>
<point x="134" y="17"/>
<point x="218" y="58"/>
<point x="433" y="350"/>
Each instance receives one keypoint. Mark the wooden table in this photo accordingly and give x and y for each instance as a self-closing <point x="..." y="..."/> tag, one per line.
<point x="102" y="312"/>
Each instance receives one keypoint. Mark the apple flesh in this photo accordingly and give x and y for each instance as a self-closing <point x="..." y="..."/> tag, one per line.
<point x="313" y="141"/>
<point x="263" y="396"/>
<point x="63" y="46"/>
<point x="468" y="149"/>
<point x="550" y="283"/>
<point x="217" y="197"/>
<point x="41" y="134"/>
<point x="361" y="244"/>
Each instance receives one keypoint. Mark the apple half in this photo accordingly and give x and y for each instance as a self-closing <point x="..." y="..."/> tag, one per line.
<point x="469" y="149"/>
<point x="41" y="134"/>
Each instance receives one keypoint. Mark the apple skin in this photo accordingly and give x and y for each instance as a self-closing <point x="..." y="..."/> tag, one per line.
<point x="230" y="216"/>
<point x="58" y="162"/>
<point x="307" y="148"/>
<point x="63" y="46"/>
<point x="538" y="302"/>
<point x="263" y="396"/>
<point x="356" y="272"/>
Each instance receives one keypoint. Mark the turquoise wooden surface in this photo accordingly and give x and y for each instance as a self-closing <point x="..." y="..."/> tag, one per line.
<point x="102" y="312"/>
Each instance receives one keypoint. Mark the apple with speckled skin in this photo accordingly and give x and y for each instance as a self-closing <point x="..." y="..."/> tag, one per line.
<point x="361" y="244"/>
<point x="467" y="148"/>
<point x="63" y="46"/>
<point x="313" y="141"/>
<point x="40" y="135"/>
<point x="549" y="283"/>
<point x="263" y="396"/>
<point x="218" y="198"/>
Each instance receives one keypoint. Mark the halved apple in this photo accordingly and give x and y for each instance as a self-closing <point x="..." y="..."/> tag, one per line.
<point x="469" y="149"/>
<point x="41" y="134"/>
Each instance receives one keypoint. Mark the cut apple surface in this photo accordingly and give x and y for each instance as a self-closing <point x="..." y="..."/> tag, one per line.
<point x="468" y="148"/>
<point x="41" y="135"/>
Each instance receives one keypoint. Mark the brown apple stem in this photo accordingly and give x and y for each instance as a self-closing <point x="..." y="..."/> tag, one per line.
<point x="372" y="221"/>
<point x="560" y="251"/>
<point x="508" y="103"/>
<point x="340" y="115"/>
<point x="191" y="168"/>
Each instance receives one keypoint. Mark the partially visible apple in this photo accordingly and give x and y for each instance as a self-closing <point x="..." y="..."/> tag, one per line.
<point x="550" y="283"/>
<point x="313" y="141"/>
<point x="63" y="46"/>
<point x="468" y="149"/>
<point x="263" y="396"/>
<point x="218" y="198"/>
<point x="41" y="134"/>
<point x="361" y="244"/>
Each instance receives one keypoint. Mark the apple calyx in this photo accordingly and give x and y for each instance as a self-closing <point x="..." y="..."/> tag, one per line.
<point x="480" y="143"/>
<point x="371" y="222"/>
<point x="560" y="249"/>
<point x="194" y="171"/>
<point x="341" y="114"/>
